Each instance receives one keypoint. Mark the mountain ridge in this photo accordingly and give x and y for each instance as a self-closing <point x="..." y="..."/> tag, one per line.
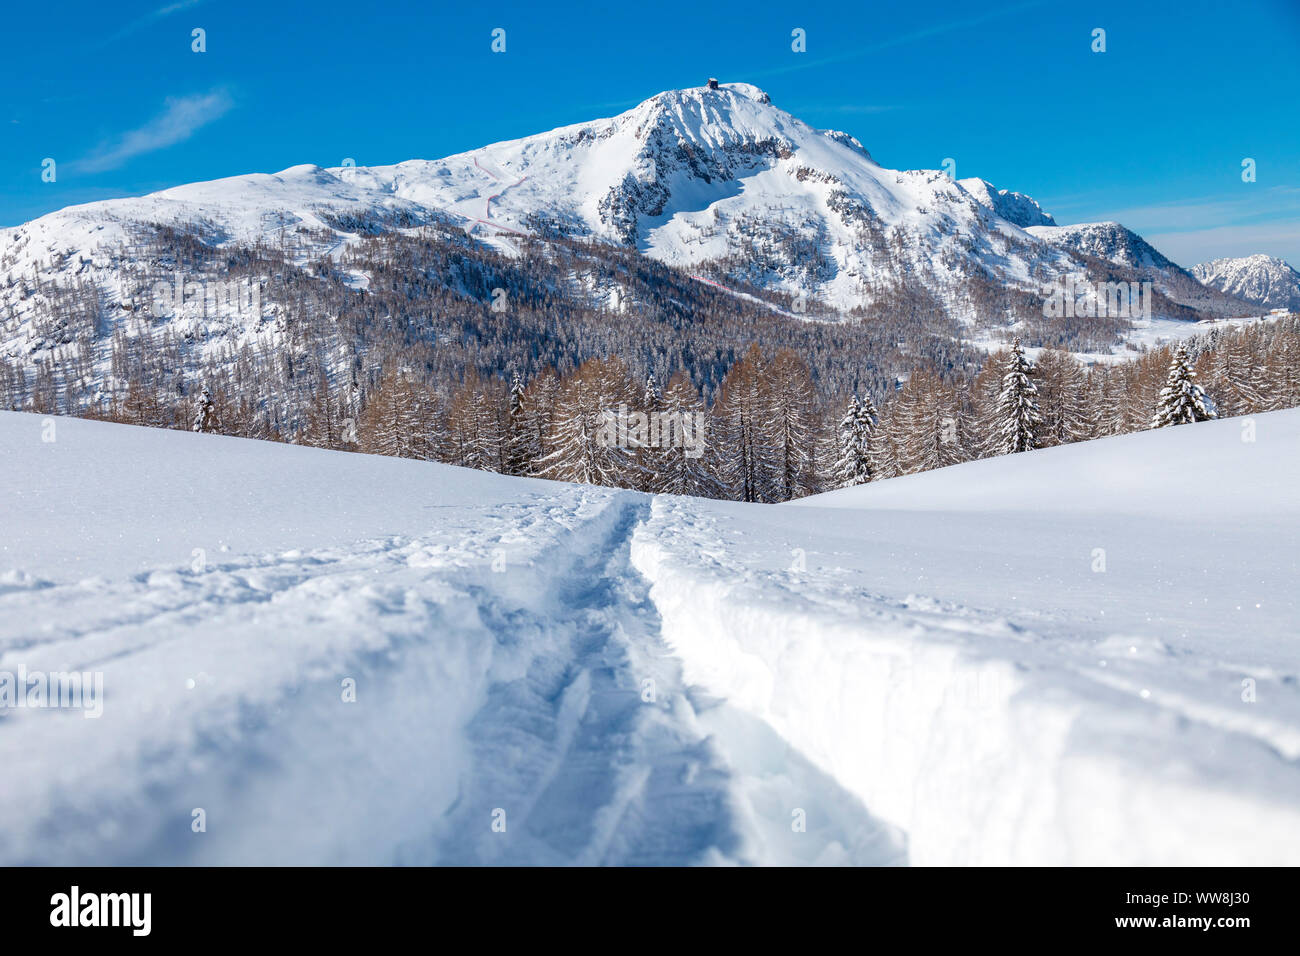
<point x="718" y="182"/>
<point x="1264" y="280"/>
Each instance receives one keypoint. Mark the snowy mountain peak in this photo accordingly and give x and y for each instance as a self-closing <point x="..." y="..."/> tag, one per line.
<point x="1014" y="207"/>
<point x="715" y="120"/>
<point x="1263" y="280"/>
<point x="1106" y="240"/>
<point x="716" y="180"/>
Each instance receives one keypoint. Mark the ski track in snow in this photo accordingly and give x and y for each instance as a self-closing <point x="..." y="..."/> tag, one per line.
<point x="552" y="657"/>
<point x="487" y="203"/>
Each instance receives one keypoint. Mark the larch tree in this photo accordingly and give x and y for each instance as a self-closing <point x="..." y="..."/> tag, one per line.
<point x="400" y="418"/>
<point x="929" y="424"/>
<point x="140" y="406"/>
<point x="584" y="437"/>
<point x="685" y="460"/>
<point x="1062" y="399"/>
<point x="323" y="423"/>
<point x="1232" y="374"/>
<point x="476" y="429"/>
<point x="742" y="430"/>
<point x="538" y="407"/>
<point x="1283" y="374"/>
<point x="793" y="425"/>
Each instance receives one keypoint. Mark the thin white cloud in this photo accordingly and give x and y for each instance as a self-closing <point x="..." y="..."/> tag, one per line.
<point x="152" y="17"/>
<point x="1246" y="203"/>
<point x="925" y="33"/>
<point x="180" y="119"/>
<point x="855" y="109"/>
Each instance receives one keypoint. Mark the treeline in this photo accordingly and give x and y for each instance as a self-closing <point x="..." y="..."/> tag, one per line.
<point x="446" y="305"/>
<point x="767" y="436"/>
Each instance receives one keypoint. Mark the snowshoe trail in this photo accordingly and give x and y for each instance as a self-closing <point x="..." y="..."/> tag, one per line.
<point x="494" y="692"/>
<point x="602" y="755"/>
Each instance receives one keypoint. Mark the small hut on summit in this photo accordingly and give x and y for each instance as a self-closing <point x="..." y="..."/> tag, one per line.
<point x="713" y="84"/>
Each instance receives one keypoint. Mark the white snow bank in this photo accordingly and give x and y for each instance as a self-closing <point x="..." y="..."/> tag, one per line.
<point x="1235" y="466"/>
<point x="953" y="649"/>
<point x="102" y="495"/>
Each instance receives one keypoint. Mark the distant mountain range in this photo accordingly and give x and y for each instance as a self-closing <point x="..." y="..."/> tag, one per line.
<point x="1263" y="280"/>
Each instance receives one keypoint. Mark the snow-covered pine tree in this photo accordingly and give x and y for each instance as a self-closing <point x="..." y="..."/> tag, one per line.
<point x="1181" y="401"/>
<point x="519" y="436"/>
<point x="205" y="416"/>
<point x="845" y="473"/>
<point x="853" y="464"/>
<point x="516" y="395"/>
<point x="650" y="396"/>
<point x="868" y="415"/>
<point x="1018" y="417"/>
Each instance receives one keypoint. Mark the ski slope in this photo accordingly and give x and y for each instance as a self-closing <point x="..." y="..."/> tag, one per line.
<point x="928" y="670"/>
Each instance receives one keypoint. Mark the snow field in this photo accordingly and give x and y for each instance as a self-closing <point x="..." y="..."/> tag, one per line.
<point x="1036" y="712"/>
<point x="926" y="670"/>
<point x="506" y="666"/>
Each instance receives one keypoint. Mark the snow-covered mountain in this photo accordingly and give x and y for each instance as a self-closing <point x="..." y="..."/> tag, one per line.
<point x="1114" y="243"/>
<point x="1014" y="207"/>
<point x="1263" y="280"/>
<point x="711" y="179"/>
<point x="1105" y="240"/>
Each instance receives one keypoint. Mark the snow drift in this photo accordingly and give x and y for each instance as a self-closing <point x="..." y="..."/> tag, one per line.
<point x="1083" y="655"/>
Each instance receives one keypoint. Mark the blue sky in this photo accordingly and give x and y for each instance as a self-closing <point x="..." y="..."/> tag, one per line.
<point x="1152" y="132"/>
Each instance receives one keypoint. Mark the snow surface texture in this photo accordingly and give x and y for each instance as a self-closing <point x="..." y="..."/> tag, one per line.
<point x="926" y="670"/>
